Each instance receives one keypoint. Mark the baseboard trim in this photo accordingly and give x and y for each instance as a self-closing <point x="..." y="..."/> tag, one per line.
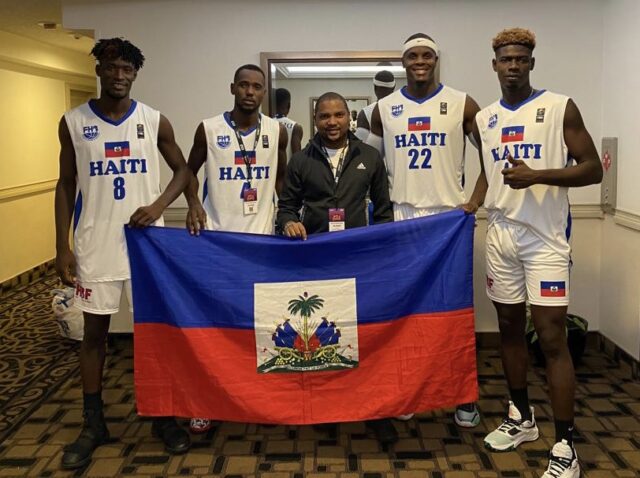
<point x="618" y="355"/>
<point x="627" y="219"/>
<point x="595" y="340"/>
<point x="27" y="277"/>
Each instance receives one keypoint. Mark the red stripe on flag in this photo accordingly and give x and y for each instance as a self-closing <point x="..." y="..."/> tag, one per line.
<point x="413" y="364"/>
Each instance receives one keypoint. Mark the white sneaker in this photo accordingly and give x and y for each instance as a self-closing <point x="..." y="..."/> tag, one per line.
<point x="467" y="415"/>
<point x="563" y="462"/>
<point x="512" y="431"/>
<point x="405" y="418"/>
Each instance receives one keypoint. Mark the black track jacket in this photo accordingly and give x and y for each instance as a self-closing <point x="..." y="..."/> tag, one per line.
<point x="310" y="185"/>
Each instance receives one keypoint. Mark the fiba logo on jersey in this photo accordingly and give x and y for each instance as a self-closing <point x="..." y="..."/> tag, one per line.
<point x="493" y="121"/>
<point x="223" y="142"/>
<point x="396" y="110"/>
<point x="90" y="132"/>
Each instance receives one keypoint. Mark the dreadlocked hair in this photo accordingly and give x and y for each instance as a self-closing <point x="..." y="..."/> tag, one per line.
<point x="114" y="48"/>
<point x="514" y="36"/>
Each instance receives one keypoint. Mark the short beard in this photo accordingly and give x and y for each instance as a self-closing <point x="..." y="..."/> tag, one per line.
<point x="247" y="111"/>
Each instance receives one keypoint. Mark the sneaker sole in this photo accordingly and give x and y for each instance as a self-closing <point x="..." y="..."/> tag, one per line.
<point x="512" y="446"/>
<point x="75" y="466"/>
<point x="464" y="424"/>
<point x="200" y="431"/>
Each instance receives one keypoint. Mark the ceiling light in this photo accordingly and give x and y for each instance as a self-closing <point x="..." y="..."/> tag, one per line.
<point x="343" y="69"/>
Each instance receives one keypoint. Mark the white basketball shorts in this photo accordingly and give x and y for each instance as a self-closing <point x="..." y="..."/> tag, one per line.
<point x="101" y="298"/>
<point x="521" y="265"/>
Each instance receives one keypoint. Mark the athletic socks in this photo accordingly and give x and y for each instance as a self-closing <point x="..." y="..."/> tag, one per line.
<point x="520" y="398"/>
<point x="564" y="431"/>
<point x="92" y="401"/>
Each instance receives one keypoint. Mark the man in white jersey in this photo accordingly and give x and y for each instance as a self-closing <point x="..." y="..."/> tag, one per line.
<point x="244" y="154"/>
<point x="109" y="151"/>
<point x="529" y="141"/>
<point x="384" y="83"/>
<point x="421" y="131"/>
<point x="294" y="130"/>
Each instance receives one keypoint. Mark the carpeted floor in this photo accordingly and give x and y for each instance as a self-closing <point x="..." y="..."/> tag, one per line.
<point x="40" y="411"/>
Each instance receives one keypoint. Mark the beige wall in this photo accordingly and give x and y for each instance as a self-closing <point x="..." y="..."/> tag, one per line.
<point x="35" y="81"/>
<point x="620" y="284"/>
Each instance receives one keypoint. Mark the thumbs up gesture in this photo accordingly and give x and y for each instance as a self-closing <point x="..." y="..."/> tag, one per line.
<point x="517" y="175"/>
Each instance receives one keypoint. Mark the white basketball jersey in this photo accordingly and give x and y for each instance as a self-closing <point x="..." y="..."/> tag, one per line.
<point x="226" y="175"/>
<point x="533" y="132"/>
<point x="288" y="124"/>
<point x="118" y="171"/>
<point x="424" y="146"/>
<point x="368" y="111"/>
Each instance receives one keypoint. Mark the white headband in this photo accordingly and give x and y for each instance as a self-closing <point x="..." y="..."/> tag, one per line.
<point x="420" y="42"/>
<point x="386" y="84"/>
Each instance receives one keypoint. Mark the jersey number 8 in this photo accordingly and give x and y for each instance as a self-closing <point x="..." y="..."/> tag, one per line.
<point x="118" y="188"/>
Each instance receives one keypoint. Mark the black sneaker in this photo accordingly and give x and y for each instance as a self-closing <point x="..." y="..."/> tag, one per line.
<point x="384" y="431"/>
<point x="175" y="439"/>
<point x="94" y="433"/>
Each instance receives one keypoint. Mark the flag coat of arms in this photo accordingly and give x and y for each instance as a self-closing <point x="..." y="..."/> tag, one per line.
<point x="361" y="324"/>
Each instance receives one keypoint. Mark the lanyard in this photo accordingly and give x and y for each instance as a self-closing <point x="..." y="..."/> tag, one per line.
<point x="338" y="170"/>
<point x="243" y="150"/>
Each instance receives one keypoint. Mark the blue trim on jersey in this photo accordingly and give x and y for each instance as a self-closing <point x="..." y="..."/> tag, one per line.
<point x="77" y="210"/>
<point x="515" y="107"/>
<point x="404" y="92"/>
<point x="97" y="112"/>
<point x="567" y="231"/>
<point x="205" y="191"/>
<point x="227" y="116"/>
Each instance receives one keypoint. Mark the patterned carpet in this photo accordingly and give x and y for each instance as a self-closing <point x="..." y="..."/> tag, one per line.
<point x="40" y="411"/>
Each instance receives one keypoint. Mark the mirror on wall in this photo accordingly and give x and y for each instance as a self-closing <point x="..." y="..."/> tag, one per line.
<point x="307" y="75"/>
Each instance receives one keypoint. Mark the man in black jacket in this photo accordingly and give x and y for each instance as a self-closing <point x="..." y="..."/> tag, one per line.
<point x="329" y="179"/>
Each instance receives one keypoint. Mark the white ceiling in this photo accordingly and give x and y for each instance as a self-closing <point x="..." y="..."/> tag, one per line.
<point x="21" y="17"/>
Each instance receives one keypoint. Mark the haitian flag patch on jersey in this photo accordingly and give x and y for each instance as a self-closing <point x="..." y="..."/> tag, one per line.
<point x="553" y="289"/>
<point x="512" y="133"/>
<point x="238" y="159"/>
<point x="419" y="123"/>
<point x="118" y="149"/>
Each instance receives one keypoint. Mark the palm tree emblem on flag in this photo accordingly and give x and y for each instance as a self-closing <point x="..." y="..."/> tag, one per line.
<point x="302" y="342"/>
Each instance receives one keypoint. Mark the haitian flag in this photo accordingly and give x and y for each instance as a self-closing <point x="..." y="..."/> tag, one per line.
<point x="366" y="323"/>
<point x="419" y="123"/>
<point x="511" y="134"/>
<point x="553" y="289"/>
<point x="239" y="159"/>
<point x="117" y="149"/>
